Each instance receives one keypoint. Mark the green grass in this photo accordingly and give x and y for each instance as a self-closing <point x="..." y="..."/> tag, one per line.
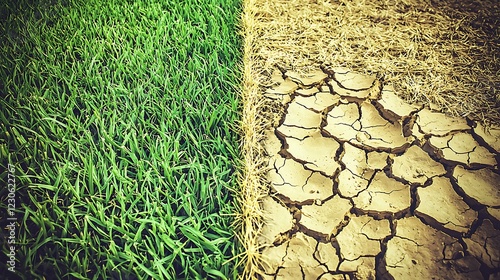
<point x="120" y="118"/>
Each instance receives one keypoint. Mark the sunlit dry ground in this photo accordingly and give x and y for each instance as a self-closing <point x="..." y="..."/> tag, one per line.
<point x="440" y="57"/>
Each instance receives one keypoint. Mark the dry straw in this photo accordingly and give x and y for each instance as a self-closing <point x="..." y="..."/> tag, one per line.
<point x="440" y="52"/>
<point x="253" y="122"/>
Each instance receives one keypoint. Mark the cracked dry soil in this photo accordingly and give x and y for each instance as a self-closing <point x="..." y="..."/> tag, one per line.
<point x="366" y="186"/>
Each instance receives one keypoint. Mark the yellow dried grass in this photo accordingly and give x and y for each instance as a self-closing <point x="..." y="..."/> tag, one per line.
<point x="253" y="122"/>
<point x="432" y="53"/>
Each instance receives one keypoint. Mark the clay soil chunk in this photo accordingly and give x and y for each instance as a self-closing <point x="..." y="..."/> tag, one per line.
<point x="384" y="194"/>
<point x="363" y="268"/>
<point x="319" y="102"/>
<point x="272" y="144"/>
<point x="277" y="219"/>
<point x="289" y="273"/>
<point x="494" y="212"/>
<point x="482" y="185"/>
<point x="366" y="128"/>
<point x="307" y="91"/>
<point x="416" y="166"/>
<point x="343" y="121"/>
<point x="383" y="134"/>
<point x="362" y="163"/>
<point x="441" y="203"/>
<point x="273" y="257"/>
<point x="350" y="184"/>
<point x="317" y="151"/>
<point x="359" y="168"/>
<point x="361" y="237"/>
<point x="299" y="254"/>
<point x="309" y="79"/>
<point x="286" y="87"/>
<point x="461" y="147"/>
<point x="491" y="135"/>
<point x="355" y="85"/>
<point x="416" y="252"/>
<point x="439" y="124"/>
<point x="277" y="77"/>
<point x="483" y="244"/>
<point x="300" y="116"/>
<point x="298" y="184"/>
<point x="327" y="255"/>
<point x="300" y="251"/>
<point x="324" y="218"/>
<point x="395" y="108"/>
<point x="296" y="132"/>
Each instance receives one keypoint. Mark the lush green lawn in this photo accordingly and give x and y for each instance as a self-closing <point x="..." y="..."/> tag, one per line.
<point x="120" y="118"/>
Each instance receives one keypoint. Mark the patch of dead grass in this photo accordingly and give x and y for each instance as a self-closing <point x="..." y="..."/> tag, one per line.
<point x="254" y="120"/>
<point x="441" y="52"/>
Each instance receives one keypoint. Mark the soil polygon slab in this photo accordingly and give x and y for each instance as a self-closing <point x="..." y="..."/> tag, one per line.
<point x="364" y="126"/>
<point x="289" y="273"/>
<point x="350" y="184"/>
<point x="326" y="254"/>
<point x="394" y="108"/>
<point x="363" y="267"/>
<point x="309" y="79"/>
<point x="355" y="85"/>
<point x="483" y="244"/>
<point x="440" y="202"/>
<point x="490" y="135"/>
<point x="359" y="169"/>
<point x="277" y="219"/>
<point x="439" y="124"/>
<point x="354" y="81"/>
<point x="277" y="77"/>
<point x="482" y="185"/>
<point x="416" y="252"/>
<point x="307" y="91"/>
<point x="272" y="144"/>
<point x="273" y="257"/>
<point x="363" y="163"/>
<point x="300" y="251"/>
<point x="324" y="218"/>
<point x="416" y="166"/>
<point x="361" y="237"/>
<point x="383" y="134"/>
<point x="298" y="184"/>
<point x="384" y="195"/>
<point x="319" y="102"/>
<point x="343" y="121"/>
<point x="317" y="151"/>
<point x="461" y="147"/>
<point x="299" y="254"/>
<point x="494" y="212"/>
<point x="286" y="87"/>
<point x="300" y="116"/>
<point x="296" y="132"/>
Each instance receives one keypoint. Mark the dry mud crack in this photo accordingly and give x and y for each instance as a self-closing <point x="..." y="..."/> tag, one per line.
<point x="366" y="186"/>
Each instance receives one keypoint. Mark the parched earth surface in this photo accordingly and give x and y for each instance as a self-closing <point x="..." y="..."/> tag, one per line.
<point x="366" y="186"/>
